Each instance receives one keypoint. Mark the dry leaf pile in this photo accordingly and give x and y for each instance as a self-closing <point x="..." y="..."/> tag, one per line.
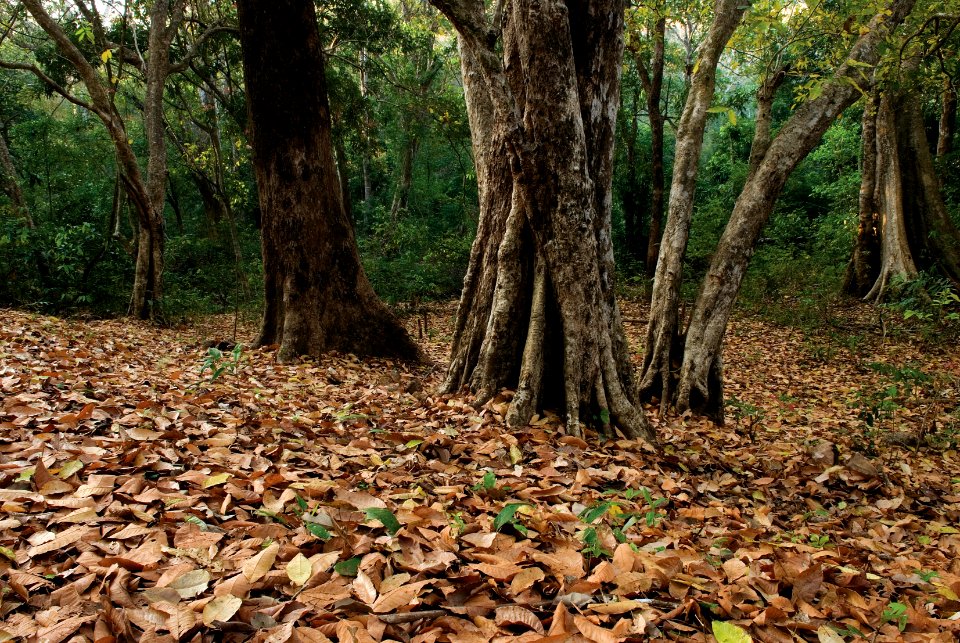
<point x="343" y="500"/>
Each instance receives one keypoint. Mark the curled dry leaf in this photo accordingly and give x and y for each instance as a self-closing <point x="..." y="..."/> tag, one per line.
<point x="516" y="615"/>
<point x="594" y="632"/>
<point x="400" y="597"/>
<point x="364" y="589"/>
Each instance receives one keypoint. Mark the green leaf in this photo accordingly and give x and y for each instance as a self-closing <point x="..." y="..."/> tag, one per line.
<point x="318" y="530"/>
<point x="194" y="520"/>
<point x="348" y="567"/>
<point x="605" y="416"/>
<point x="815" y="90"/>
<point x="726" y="632"/>
<point x="590" y="514"/>
<point x="506" y="515"/>
<point x="386" y="517"/>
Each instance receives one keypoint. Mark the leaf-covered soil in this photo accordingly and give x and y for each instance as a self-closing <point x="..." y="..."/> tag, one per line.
<point x="342" y="499"/>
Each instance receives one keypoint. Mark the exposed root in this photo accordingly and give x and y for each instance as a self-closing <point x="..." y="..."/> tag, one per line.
<point x="531" y="370"/>
<point x="624" y="413"/>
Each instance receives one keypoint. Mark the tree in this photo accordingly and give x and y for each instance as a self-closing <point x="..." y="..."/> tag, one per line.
<point x="11" y="184"/>
<point x="900" y="193"/>
<point x="538" y="312"/>
<point x="317" y="296"/>
<point x="700" y="381"/>
<point x="651" y="77"/>
<point x="663" y="330"/>
<point x="147" y="194"/>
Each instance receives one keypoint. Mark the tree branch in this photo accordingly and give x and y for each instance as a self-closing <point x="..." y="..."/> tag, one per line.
<point x="182" y="64"/>
<point x="54" y="85"/>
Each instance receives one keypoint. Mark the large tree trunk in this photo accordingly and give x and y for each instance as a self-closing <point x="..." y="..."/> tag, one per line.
<point x="917" y="232"/>
<point x="663" y="330"/>
<point x="317" y="297"/>
<point x="538" y="313"/>
<point x="895" y="256"/>
<point x="700" y="372"/>
<point x="474" y="350"/>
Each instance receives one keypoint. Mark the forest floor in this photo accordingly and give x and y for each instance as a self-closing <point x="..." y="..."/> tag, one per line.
<point x="342" y="499"/>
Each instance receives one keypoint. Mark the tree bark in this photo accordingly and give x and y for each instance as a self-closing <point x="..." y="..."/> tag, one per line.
<point x="635" y="193"/>
<point x="764" y="120"/>
<point x="317" y="296"/>
<point x="663" y="331"/>
<point x="538" y="312"/>
<point x="401" y="195"/>
<point x="700" y="372"/>
<point x="864" y="265"/>
<point x="147" y="295"/>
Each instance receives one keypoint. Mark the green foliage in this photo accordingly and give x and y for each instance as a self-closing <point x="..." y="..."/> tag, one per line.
<point x="412" y="259"/>
<point x="896" y="613"/>
<point x="219" y="363"/>
<point x="508" y="518"/>
<point x="929" y="301"/>
<point x="386" y="518"/>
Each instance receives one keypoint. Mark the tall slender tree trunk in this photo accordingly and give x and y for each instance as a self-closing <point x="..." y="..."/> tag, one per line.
<point x="700" y="385"/>
<point x="147" y="295"/>
<point x="317" y="297"/>
<point x="401" y="195"/>
<point x="864" y="265"/>
<point x="11" y="185"/>
<point x="635" y="194"/>
<point x="146" y="196"/>
<point x="948" y="118"/>
<point x="663" y="331"/>
<point x="763" y="122"/>
<point x="653" y="87"/>
<point x="541" y="318"/>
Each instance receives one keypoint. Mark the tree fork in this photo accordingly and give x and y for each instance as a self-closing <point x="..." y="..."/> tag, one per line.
<point x="798" y="136"/>
<point x="663" y="330"/>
